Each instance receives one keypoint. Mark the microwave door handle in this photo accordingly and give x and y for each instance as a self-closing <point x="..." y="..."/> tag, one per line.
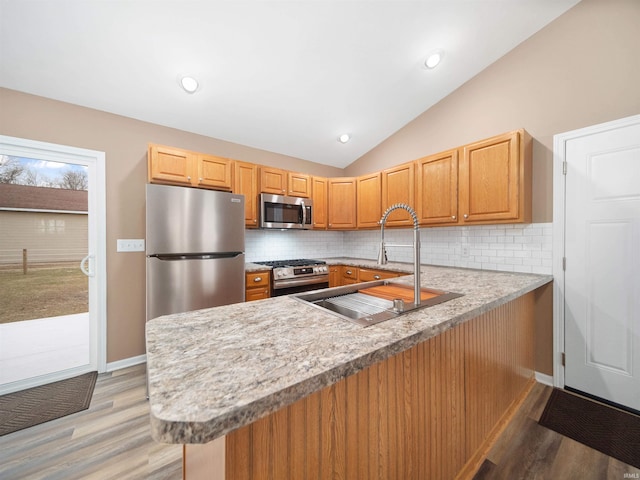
<point x="304" y="214"/>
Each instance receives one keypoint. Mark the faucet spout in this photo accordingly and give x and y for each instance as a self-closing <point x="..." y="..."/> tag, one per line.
<point x="382" y="256"/>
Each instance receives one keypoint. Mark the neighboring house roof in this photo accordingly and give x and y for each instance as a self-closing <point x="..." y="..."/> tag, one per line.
<point x="25" y="197"/>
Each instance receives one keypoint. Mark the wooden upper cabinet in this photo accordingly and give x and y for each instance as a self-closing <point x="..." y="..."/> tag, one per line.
<point x="495" y="180"/>
<point x="169" y="165"/>
<point x="437" y="188"/>
<point x="282" y="182"/>
<point x="342" y="203"/>
<point x="245" y="182"/>
<point x="174" y="166"/>
<point x="369" y="189"/>
<point x="398" y="185"/>
<point x="319" y="197"/>
<point x="273" y="180"/>
<point x="481" y="183"/>
<point x="299" y="185"/>
<point x="214" y="172"/>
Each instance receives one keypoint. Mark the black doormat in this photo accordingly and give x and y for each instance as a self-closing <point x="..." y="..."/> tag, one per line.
<point x="41" y="404"/>
<point x="611" y="431"/>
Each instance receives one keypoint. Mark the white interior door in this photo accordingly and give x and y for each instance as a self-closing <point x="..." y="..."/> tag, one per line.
<point x="44" y="343"/>
<point x="602" y="273"/>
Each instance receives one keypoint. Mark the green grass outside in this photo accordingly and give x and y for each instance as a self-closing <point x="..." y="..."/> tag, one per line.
<point x="45" y="291"/>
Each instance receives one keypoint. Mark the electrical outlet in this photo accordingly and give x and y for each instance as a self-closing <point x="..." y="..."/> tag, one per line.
<point x="130" y="245"/>
<point x="465" y="250"/>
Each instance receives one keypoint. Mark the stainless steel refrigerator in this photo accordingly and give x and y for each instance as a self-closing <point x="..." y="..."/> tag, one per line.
<point x="194" y="248"/>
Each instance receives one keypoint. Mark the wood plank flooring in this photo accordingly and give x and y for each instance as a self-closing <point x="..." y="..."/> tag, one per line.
<point x="111" y="440"/>
<point x="526" y="450"/>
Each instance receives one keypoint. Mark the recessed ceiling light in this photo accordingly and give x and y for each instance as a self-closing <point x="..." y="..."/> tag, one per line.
<point x="344" y="138"/>
<point x="189" y="84"/>
<point x="433" y="59"/>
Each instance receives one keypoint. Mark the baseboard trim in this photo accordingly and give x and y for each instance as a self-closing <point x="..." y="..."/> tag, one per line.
<point x="126" y="362"/>
<point x="544" y="379"/>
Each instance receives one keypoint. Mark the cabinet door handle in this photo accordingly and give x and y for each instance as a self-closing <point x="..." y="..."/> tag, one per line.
<point x="257" y="279"/>
<point x="466" y="216"/>
<point x="349" y="272"/>
<point x="453" y="217"/>
<point x="200" y="179"/>
<point x="376" y="277"/>
<point x="189" y="178"/>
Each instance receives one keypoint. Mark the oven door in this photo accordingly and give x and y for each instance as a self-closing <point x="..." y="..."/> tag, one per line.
<point x="299" y="285"/>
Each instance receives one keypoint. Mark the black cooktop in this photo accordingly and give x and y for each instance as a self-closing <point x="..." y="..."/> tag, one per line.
<point x="299" y="262"/>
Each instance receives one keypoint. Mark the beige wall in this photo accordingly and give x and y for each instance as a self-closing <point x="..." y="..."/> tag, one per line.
<point x="125" y="142"/>
<point x="582" y="69"/>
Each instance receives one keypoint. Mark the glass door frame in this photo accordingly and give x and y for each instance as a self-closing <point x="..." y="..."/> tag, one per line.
<point x="95" y="162"/>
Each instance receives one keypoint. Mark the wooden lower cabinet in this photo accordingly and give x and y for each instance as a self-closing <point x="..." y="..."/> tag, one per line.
<point x="369" y="275"/>
<point x="430" y="412"/>
<point x="258" y="285"/>
<point x="349" y="275"/>
<point x="334" y="276"/>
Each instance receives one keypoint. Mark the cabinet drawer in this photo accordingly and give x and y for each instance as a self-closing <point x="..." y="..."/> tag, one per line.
<point x="257" y="293"/>
<point x="257" y="279"/>
<point x="367" y="275"/>
<point x="350" y="272"/>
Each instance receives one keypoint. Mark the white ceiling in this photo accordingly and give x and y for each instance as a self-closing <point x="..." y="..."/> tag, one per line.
<point x="283" y="76"/>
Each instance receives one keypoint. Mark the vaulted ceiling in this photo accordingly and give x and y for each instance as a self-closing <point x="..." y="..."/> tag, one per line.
<point x="284" y="76"/>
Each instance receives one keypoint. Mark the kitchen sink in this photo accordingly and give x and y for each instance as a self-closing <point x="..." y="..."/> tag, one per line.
<point x="372" y="302"/>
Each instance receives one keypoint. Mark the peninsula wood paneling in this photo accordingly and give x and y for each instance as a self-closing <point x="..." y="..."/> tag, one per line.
<point x="401" y="418"/>
<point x="422" y="413"/>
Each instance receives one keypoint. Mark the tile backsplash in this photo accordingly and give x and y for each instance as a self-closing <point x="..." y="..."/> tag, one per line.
<point x="290" y="244"/>
<point x="517" y="248"/>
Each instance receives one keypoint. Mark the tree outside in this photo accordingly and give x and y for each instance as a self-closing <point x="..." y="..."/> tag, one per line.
<point x="40" y="173"/>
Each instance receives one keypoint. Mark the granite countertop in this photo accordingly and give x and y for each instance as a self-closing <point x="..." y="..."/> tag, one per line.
<point x="255" y="267"/>
<point x="354" y="262"/>
<point x="212" y="371"/>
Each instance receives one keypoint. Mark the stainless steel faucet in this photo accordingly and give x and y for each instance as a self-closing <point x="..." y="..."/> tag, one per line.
<point x="382" y="256"/>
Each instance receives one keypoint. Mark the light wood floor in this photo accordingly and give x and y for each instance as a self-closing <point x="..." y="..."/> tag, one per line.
<point x="111" y="440"/>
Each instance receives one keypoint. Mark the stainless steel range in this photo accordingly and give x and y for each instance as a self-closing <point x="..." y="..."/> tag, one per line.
<point x="299" y="275"/>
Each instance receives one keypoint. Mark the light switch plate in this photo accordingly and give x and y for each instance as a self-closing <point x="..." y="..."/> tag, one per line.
<point x="130" y="245"/>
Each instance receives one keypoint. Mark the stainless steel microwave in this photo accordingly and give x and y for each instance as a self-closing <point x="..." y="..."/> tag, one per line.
<point x="279" y="211"/>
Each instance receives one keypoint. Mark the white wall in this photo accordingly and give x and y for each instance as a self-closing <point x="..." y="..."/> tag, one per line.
<point x="515" y="248"/>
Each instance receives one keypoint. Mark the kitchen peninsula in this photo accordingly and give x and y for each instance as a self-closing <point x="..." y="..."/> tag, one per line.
<point x="279" y="389"/>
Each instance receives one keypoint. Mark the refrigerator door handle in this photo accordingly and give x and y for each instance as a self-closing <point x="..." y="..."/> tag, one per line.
<point x="196" y="256"/>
